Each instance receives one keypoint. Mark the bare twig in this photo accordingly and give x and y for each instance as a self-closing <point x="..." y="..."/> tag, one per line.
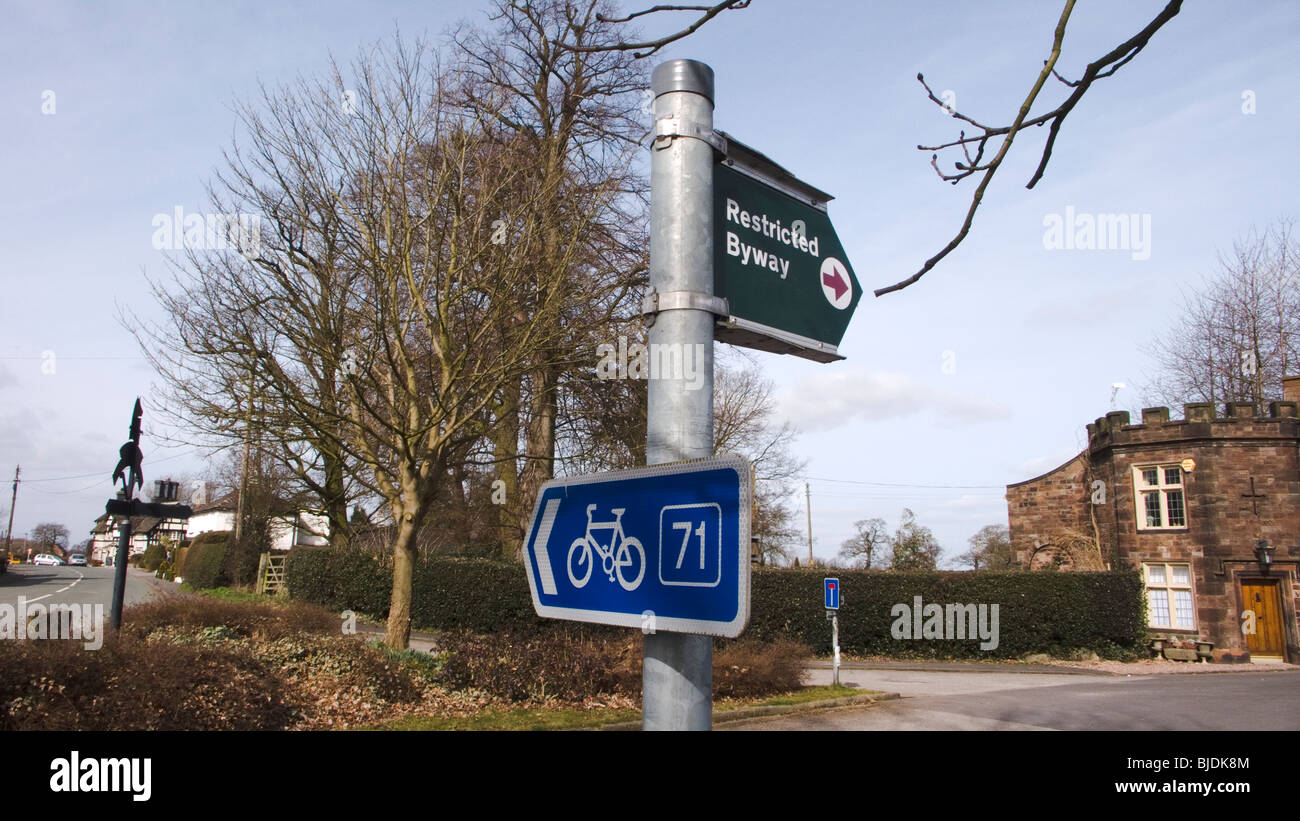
<point x="709" y="12"/>
<point x="1106" y="66"/>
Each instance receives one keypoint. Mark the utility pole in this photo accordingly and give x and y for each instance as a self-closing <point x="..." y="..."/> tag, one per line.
<point x="677" y="668"/>
<point x="9" y="533"/>
<point x="808" y="496"/>
<point x="243" y="467"/>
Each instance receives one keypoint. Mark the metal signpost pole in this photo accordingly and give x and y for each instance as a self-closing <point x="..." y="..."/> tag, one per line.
<point x="119" y="573"/>
<point x="677" y="668"/>
<point x="128" y="470"/>
<point x="835" y="646"/>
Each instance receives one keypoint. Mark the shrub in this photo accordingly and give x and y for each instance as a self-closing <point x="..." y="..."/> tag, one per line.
<point x="240" y="619"/>
<point x="749" y="668"/>
<point x="152" y="557"/>
<point x="205" y="562"/>
<point x="244" y="555"/>
<point x="571" y="663"/>
<point x="131" y="685"/>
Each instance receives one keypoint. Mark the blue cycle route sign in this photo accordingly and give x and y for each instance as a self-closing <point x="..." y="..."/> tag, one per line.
<point x="832" y="594"/>
<point x="663" y="548"/>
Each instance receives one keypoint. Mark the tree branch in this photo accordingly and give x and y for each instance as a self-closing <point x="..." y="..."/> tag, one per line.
<point x="1106" y="66"/>
<point x="709" y="12"/>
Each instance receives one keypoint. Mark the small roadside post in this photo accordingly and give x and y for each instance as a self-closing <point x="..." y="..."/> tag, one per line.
<point x="832" y="591"/>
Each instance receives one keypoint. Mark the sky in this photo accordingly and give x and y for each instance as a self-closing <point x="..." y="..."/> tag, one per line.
<point x="984" y="373"/>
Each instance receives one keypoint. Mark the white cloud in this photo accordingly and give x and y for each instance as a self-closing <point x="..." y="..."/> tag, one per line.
<point x="831" y="400"/>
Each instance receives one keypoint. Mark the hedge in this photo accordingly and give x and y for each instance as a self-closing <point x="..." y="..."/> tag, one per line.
<point x="206" y="559"/>
<point x="1056" y="613"/>
<point x="475" y="594"/>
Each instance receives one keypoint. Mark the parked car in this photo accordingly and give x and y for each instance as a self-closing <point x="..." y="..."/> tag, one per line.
<point x="47" y="558"/>
<point x="78" y="559"/>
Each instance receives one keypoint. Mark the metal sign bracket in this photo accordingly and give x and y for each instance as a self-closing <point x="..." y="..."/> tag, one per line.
<point x="654" y="302"/>
<point x="673" y="126"/>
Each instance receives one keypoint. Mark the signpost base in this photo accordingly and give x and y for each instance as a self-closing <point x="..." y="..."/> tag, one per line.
<point x="677" y="682"/>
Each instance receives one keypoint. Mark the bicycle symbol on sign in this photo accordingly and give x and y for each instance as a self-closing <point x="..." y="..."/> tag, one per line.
<point x="614" y="558"/>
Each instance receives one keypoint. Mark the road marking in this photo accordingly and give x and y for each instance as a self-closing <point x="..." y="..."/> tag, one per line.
<point x="80" y="576"/>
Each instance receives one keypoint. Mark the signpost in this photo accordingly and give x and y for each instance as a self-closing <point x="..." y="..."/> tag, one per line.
<point x="831" y="587"/>
<point x="660" y="548"/>
<point x="742" y="252"/>
<point x="777" y="260"/>
<point x="129" y="472"/>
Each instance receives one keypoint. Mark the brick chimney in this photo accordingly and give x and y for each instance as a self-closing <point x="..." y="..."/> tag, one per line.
<point x="1291" y="389"/>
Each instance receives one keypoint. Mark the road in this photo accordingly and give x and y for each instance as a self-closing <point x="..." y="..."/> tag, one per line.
<point x="70" y="585"/>
<point x="1035" y="701"/>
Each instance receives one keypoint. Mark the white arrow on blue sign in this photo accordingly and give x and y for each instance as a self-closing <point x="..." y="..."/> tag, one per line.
<point x="663" y="548"/>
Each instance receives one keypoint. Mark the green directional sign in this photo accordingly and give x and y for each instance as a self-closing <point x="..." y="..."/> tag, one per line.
<point x="778" y="262"/>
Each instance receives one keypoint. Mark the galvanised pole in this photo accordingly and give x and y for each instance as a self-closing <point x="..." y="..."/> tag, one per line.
<point x="677" y="668"/>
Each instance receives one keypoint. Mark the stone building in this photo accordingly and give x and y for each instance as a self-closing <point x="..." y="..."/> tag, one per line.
<point x="1206" y="507"/>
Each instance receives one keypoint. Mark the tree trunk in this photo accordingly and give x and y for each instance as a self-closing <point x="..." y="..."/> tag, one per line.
<point x="505" y="452"/>
<point x="539" y="462"/>
<point x="398" y="635"/>
<point x="413" y="506"/>
<point x="336" y="503"/>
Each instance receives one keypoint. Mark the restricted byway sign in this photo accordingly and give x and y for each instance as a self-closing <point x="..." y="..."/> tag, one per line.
<point x="663" y="548"/>
<point x="777" y="260"/>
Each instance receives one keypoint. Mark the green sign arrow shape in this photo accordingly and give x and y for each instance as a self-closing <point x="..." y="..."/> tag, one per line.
<point x="780" y="264"/>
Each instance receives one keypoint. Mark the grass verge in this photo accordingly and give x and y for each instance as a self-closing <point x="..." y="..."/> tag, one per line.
<point x="570" y="718"/>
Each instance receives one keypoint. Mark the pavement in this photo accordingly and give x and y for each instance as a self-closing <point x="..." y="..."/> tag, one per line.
<point x="975" y="696"/>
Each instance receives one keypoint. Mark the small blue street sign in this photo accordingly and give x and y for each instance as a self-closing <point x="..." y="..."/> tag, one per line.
<point x="663" y="548"/>
<point x="832" y="594"/>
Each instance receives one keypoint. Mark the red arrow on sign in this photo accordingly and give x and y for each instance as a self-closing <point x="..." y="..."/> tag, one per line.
<point x="835" y="281"/>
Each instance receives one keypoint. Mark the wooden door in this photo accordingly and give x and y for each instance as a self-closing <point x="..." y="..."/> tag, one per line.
<point x="1261" y="596"/>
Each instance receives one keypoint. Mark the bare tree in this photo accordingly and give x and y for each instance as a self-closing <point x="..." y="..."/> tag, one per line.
<point x="549" y="75"/>
<point x="913" y="546"/>
<point x="380" y="319"/>
<point x="866" y="548"/>
<point x="990" y="549"/>
<point x="1239" y="333"/>
<point x="51" y="536"/>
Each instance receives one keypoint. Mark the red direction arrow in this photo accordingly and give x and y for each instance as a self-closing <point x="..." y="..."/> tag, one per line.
<point x="835" y="281"/>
